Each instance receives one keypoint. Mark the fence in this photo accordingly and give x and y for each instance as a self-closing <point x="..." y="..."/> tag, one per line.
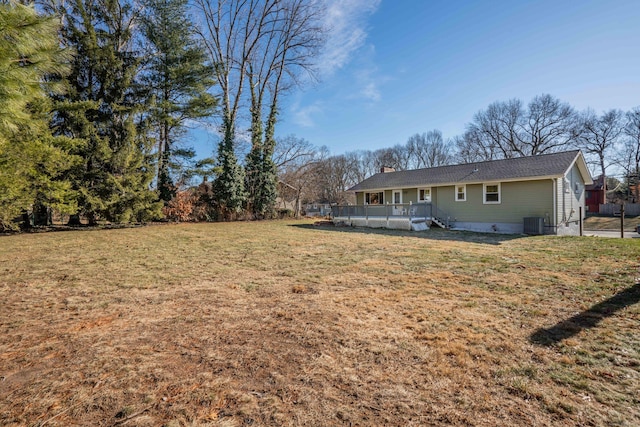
<point x="630" y="209"/>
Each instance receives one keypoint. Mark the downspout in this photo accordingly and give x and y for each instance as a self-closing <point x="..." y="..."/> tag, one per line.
<point x="554" y="182"/>
<point x="564" y="200"/>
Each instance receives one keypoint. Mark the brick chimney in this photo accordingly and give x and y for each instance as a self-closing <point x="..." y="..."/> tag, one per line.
<point x="386" y="169"/>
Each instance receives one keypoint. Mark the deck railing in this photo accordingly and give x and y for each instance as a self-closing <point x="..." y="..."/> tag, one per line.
<point x="396" y="210"/>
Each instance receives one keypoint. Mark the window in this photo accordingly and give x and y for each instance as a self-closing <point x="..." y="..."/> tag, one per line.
<point x="491" y="194"/>
<point x="374" y="198"/>
<point x="461" y="193"/>
<point x="424" y="195"/>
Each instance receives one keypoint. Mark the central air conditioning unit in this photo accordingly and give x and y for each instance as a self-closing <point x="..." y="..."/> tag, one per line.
<point x="534" y="225"/>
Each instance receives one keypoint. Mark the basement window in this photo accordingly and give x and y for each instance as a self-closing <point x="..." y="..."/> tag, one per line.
<point x="374" y="198"/>
<point x="491" y="193"/>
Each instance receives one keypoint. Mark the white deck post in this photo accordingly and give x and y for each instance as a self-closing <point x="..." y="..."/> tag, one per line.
<point x="366" y="214"/>
<point x="386" y="210"/>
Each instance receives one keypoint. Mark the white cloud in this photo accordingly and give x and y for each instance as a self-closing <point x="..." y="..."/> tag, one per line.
<point x="346" y="31"/>
<point x="367" y="79"/>
<point x="304" y="116"/>
<point x="371" y="92"/>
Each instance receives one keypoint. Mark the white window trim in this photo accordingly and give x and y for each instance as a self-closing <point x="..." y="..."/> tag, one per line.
<point x="455" y="192"/>
<point x="381" y="202"/>
<point x="393" y="197"/>
<point x="484" y="193"/>
<point x="424" y="189"/>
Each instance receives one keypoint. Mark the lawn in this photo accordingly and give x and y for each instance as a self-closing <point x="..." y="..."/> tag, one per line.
<point x="611" y="223"/>
<point x="285" y="323"/>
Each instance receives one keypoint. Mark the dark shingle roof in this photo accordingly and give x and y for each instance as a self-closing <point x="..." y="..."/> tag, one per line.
<point x="547" y="165"/>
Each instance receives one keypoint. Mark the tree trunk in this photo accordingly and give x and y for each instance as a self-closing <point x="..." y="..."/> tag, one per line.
<point x="74" y="220"/>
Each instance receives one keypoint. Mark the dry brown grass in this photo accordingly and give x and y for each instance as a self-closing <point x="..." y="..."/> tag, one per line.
<point x="611" y="223"/>
<point x="283" y="323"/>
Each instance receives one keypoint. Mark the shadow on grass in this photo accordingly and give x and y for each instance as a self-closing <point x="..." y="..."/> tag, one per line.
<point x="431" y="234"/>
<point x="587" y="319"/>
<point x="82" y="227"/>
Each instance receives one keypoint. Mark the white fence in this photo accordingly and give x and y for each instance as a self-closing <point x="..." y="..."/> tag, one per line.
<point x="630" y="209"/>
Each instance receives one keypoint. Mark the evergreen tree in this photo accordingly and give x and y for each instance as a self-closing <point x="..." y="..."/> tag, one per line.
<point x="228" y="188"/>
<point x="254" y="179"/>
<point x="177" y="79"/>
<point x="269" y="189"/>
<point x="32" y="161"/>
<point x="261" y="174"/>
<point x="101" y="108"/>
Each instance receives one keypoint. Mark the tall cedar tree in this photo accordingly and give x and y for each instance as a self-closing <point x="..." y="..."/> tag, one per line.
<point x="32" y="161"/>
<point x="177" y="78"/>
<point x="101" y="107"/>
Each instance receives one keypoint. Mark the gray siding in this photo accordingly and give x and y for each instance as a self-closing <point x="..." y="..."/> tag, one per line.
<point x="571" y="196"/>
<point x="410" y="195"/>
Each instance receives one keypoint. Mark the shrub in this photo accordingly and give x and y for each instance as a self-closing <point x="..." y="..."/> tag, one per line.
<point x="191" y="205"/>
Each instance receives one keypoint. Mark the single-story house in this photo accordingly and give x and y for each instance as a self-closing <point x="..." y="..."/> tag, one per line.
<point x="542" y="194"/>
<point x="317" y="209"/>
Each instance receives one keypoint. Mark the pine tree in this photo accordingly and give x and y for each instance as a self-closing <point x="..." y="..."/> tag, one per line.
<point x="177" y="79"/>
<point x="101" y="108"/>
<point x="32" y="161"/>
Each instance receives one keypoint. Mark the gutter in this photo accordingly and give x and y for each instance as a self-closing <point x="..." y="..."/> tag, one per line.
<point x="448" y="184"/>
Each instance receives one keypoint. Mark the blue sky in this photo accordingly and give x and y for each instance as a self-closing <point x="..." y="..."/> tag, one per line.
<point x="399" y="67"/>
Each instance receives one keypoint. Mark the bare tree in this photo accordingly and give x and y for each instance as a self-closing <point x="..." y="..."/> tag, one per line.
<point x="428" y="150"/>
<point x="397" y="157"/>
<point x="358" y="168"/>
<point x="499" y="128"/>
<point x="597" y="135"/>
<point x="229" y="32"/>
<point x="550" y="125"/>
<point x="298" y="162"/>
<point x="506" y="129"/>
<point x="470" y="147"/>
<point x="334" y="177"/>
<point x="628" y="157"/>
<point x="292" y="150"/>
<point x="288" y="37"/>
<point x="369" y="164"/>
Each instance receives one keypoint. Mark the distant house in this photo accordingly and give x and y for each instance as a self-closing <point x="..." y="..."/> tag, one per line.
<point x="317" y="209"/>
<point x="537" y="195"/>
<point x="634" y="190"/>
<point x="594" y="195"/>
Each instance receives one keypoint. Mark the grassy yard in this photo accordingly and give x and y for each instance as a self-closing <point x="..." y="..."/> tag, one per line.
<point x="611" y="223"/>
<point x="285" y="323"/>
